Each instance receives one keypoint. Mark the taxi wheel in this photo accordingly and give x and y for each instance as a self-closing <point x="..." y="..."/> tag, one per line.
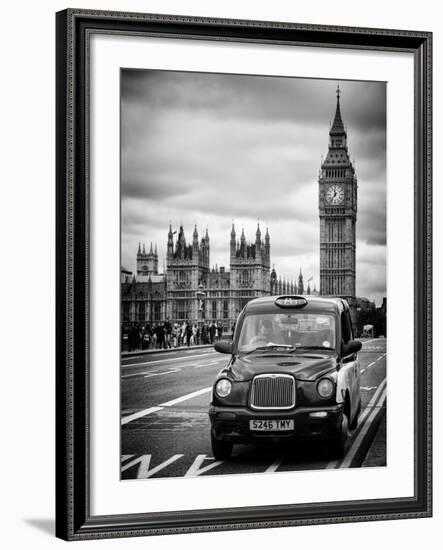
<point x="221" y="449"/>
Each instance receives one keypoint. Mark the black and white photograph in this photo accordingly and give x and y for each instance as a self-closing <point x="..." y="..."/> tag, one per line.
<point x="253" y="274"/>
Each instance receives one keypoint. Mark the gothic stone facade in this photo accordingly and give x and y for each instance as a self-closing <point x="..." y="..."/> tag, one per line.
<point x="338" y="216"/>
<point x="153" y="297"/>
<point x="225" y="293"/>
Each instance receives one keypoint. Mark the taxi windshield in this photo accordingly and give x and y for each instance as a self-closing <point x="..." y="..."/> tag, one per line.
<point x="289" y="330"/>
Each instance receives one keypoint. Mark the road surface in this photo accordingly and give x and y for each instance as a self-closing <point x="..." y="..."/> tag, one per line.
<point x="165" y="424"/>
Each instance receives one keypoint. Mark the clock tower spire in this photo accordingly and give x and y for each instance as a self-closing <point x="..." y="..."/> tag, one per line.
<point x="338" y="215"/>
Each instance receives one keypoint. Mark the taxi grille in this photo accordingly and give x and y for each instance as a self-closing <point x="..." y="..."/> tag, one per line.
<point x="273" y="391"/>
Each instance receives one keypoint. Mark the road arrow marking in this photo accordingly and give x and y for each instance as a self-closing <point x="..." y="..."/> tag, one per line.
<point x="145" y="461"/>
<point x="195" y="468"/>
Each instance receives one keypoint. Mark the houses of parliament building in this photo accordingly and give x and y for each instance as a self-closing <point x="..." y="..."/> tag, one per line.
<point x="190" y="290"/>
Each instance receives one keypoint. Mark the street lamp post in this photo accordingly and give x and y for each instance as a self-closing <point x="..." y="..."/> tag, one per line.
<point x="200" y="295"/>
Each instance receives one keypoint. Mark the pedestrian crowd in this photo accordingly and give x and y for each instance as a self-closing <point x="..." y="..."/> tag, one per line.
<point x="167" y="335"/>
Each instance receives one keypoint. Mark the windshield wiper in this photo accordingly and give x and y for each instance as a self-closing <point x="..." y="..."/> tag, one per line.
<point x="271" y="346"/>
<point x="313" y="347"/>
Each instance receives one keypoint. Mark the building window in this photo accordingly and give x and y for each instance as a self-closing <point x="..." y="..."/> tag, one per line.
<point x="214" y="309"/>
<point x="126" y="306"/>
<point x="181" y="311"/>
<point x="157" y="311"/>
<point x="225" y="309"/>
<point x="141" y="311"/>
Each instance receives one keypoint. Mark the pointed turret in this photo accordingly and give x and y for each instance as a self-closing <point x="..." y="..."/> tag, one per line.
<point x="139" y="251"/>
<point x="243" y="243"/>
<point x="170" y="248"/>
<point x="181" y="242"/>
<point x="267" y="248"/>
<point x="338" y="127"/>
<point x="232" y="242"/>
<point x="300" y="283"/>
<point x="195" y="243"/>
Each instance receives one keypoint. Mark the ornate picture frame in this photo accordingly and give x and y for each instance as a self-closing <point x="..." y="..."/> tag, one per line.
<point x="74" y="29"/>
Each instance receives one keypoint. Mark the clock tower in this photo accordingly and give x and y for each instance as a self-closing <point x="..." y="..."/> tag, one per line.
<point x="338" y="215"/>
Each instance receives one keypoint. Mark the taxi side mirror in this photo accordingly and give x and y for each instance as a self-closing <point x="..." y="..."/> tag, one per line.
<point x="353" y="346"/>
<point x="223" y="346"/>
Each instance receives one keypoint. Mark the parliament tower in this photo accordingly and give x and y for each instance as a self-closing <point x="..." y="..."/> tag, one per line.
<point x="338" y="216"/>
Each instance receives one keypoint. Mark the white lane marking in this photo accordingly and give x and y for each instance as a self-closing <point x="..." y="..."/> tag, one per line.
<point x="149" y="374"/>
<point x="143" y="363"/>
<point x="368" y="388"/>
<point x="358" y="440"/>
<point x="362" y="418"/>
<point x="139" y="414"/>
<point x="276" y="464"/>
<point x="196" y="469"/>
<point x="186" y="397"/>
<point x="145" y="412"/>
<point x="135" y="374"/>
<point x="145" y="461"/>
<point x="162" y="373"/>
<point x="373" y="363"/>
<point x="367" y="341"/>
<point x="208" y="364"/>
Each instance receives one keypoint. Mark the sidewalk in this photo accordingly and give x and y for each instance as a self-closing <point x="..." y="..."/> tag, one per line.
<point x="148" y="351"/>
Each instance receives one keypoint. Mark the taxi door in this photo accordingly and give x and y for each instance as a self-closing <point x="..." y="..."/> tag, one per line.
<point x="350" y="364"/>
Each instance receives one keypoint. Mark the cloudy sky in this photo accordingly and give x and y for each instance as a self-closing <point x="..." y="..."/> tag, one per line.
<point x="213" y="148"/>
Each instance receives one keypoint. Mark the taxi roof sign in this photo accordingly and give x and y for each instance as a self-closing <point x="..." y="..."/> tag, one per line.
<point x="291" y="301"/>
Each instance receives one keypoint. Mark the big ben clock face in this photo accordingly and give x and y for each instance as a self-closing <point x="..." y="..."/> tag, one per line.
<point x="335" y="194"/>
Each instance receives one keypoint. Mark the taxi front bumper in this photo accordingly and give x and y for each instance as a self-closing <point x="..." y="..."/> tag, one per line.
<point x="232" y="423"/>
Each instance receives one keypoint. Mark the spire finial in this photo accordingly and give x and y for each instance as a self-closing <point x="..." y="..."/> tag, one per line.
<point x="338" y="91"/>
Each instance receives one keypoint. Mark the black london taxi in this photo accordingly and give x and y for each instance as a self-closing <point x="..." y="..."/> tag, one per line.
<point x="293" y="374"/>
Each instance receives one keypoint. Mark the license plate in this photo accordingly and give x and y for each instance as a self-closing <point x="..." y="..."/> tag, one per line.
<point x="271" y="425"/>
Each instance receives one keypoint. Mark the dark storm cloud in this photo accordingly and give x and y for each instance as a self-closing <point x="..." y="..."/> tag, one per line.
<point x="254" y="97"/>
<point x="211" y="148"/>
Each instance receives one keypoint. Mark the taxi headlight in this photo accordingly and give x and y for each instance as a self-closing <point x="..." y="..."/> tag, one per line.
<point x="223" y="387"/>
<point x="325" y="387"/>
